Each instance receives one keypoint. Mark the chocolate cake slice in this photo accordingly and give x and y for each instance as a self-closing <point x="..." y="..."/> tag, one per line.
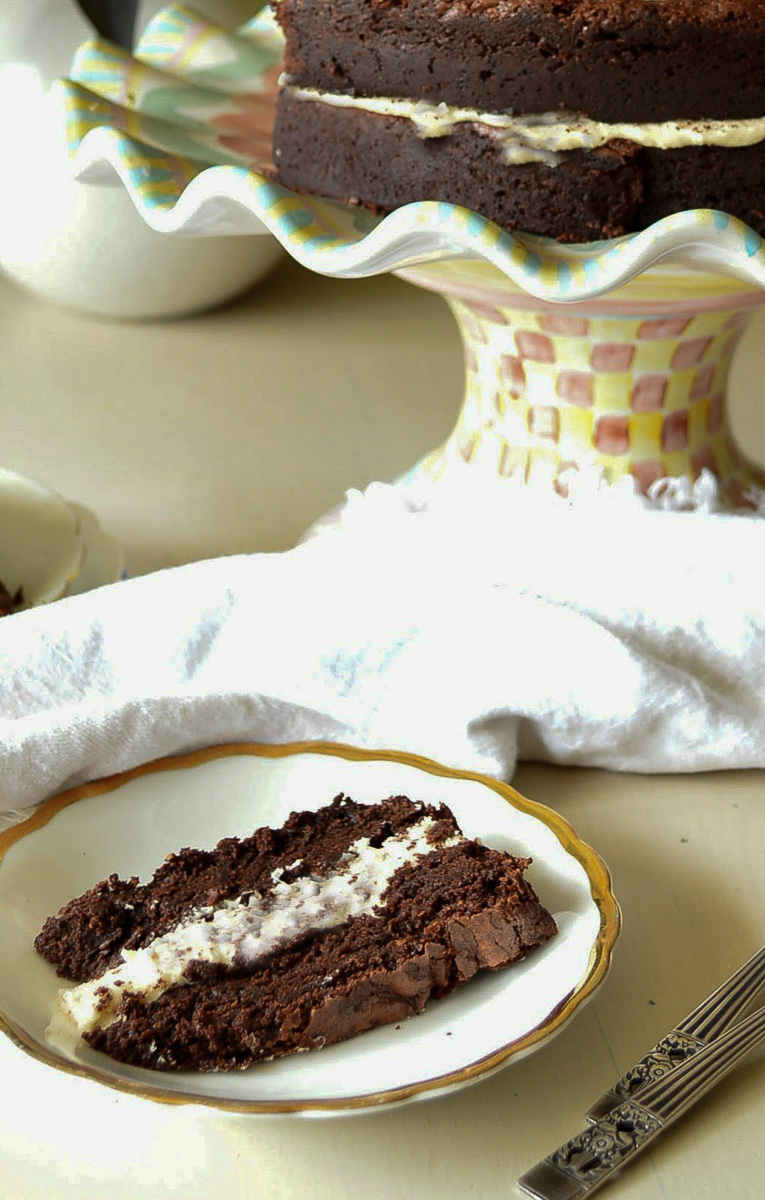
<point x="343" y="919"/>
<point x="575" y="119"/>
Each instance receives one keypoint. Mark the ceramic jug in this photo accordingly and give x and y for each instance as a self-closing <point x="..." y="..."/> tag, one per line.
<point x="85" y="245"/>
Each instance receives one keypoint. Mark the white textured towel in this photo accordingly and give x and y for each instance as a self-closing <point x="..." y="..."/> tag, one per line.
<point x="599" y="634"/>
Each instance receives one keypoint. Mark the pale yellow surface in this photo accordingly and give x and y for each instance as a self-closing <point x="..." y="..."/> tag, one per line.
<point x="232" y="432"/>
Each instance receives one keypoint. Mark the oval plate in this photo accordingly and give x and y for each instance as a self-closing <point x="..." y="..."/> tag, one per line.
<point x="128" y="823"/>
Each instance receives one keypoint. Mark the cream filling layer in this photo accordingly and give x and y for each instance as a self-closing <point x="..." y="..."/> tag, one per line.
<point x="543" y="137"/>
<point x="243" y="930"/>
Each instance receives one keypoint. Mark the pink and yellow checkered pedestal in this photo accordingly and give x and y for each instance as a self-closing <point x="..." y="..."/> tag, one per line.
<point x="631" y="383"/>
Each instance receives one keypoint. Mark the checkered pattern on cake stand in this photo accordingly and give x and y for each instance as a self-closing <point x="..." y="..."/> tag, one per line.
<point x="610" y="358"/>
<point x="622" y="385"/>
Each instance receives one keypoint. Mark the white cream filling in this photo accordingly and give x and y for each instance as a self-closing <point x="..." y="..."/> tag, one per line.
<point x="543" y="137"/>
<point x="242" y="930"/>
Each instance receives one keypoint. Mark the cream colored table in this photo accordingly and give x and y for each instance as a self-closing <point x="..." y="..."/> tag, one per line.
<point x="231" y="433"/>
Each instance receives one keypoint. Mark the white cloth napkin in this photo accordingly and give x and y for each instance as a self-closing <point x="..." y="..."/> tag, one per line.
<point x="600" y="634"/>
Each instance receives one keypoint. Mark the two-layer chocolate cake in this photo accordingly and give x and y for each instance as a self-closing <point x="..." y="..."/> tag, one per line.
<point x="343" y="919"/>
<point x="576" y="119"/>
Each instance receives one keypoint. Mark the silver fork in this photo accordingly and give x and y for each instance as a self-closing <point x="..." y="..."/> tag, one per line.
<point x="707" y="1021"/>
<point x="602" y="1149"/>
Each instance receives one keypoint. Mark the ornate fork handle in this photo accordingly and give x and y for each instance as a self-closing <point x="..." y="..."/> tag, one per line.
<point x="586" y="1160"/>
<point x="590" y="1158"/>
<point x="673" y="1049"/>
<point x="708" y="1020"/>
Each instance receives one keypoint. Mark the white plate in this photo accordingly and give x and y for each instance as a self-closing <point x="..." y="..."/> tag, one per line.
<point x="128" y="823"/>
<point x="40" y="543"/>
<point x="103" y="560"/>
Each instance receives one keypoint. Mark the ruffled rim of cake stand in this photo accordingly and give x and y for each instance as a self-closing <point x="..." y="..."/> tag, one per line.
<point x="181" y="122"/>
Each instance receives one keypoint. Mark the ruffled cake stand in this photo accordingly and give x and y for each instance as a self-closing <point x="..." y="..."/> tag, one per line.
<point x="610" y="359"/>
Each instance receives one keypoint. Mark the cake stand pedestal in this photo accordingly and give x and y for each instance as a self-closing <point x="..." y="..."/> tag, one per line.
<point x="631" y="383"/>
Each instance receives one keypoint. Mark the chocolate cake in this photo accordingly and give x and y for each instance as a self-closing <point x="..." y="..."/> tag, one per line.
<point x="341" y="920"/>
<point x="575" y="119"/>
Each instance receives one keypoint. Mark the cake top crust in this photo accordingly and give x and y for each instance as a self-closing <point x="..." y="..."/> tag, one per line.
<point x="609" y="16"/>
<point x="612" y="60"/>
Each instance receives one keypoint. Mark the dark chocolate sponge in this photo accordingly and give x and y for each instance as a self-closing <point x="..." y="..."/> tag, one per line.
<point x="604" y="193"/>
<point x="615" y="60"/>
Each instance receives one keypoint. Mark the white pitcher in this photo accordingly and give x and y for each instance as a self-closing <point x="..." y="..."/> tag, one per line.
<point x="84" y="245"/>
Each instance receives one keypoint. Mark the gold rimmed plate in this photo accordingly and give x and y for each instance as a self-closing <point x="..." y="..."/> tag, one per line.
<point x="128" y="823"/>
